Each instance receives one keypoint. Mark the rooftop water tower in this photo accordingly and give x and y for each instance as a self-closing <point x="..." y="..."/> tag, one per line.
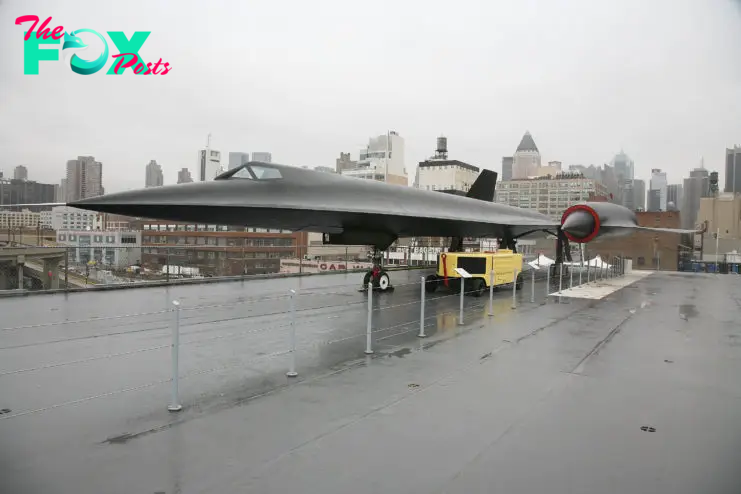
<point x="441" y="152"/>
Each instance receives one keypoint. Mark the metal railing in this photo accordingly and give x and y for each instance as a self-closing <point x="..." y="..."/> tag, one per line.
<point x="284" y="331"/>
<point x="47" y="267"/>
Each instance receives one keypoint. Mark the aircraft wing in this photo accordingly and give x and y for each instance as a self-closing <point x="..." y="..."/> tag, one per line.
<point x="664" y="230"/>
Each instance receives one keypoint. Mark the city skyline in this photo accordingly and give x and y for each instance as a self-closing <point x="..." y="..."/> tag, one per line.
<point x="224" y="166"/>
<point x="620" y="92"/>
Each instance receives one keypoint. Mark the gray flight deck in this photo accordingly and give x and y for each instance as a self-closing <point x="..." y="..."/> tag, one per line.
<point x="638" y="392"/>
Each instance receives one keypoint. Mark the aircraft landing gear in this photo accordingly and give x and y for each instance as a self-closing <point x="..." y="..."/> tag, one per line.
<point x="380" y="278"/>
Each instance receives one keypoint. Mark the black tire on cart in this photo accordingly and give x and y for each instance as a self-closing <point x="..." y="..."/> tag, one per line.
<point x="478" y="287"/>
<point x="431" y="283"/>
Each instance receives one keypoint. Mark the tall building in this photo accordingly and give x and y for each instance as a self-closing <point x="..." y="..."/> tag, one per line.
<point x="526" y="159"/>
<point x="657" y="190"/>
<point x="674" y="197"/>
<point x="695" y="188"/>
<point x="62" y="191"/>
<point x="238" y="158"/>
<point x="634" y="194"/>
<point x="20" y="173"/>
<point x="549" y="196"/>
<point x="344" y="163"/>
<point x="733" y="170"/>
<point x="507" y="168"/>
<point x="154" y="175"/>
<point x="209" y="164"/>
<point x="84" y="178"/>
<point x="184" y="176"/>
<point x="624" y="166"/>
<point x="262" y="157"/>
<point x="25" y="192"/>
<point x="606" y="176"/>
<point x="382" y="160"/>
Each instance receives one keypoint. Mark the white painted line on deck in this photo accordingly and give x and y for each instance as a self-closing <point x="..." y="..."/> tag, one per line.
<point x="600" y="289"/>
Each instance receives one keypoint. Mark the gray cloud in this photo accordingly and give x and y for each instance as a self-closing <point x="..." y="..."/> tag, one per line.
<point x="306" y="80"/>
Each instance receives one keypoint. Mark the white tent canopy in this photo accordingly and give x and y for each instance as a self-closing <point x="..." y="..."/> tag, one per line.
<point x="598" y="263"/>
<point x="541" y="261"/>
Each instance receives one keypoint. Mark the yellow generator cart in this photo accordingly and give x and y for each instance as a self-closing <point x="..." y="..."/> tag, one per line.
<point x="504" y="264"/>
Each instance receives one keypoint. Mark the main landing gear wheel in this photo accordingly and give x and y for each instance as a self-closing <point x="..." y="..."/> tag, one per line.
<point x="381" y="282"/>
<point x="384" y="282"/>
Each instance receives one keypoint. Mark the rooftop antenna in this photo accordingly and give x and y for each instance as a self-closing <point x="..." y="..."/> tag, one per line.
<point x="702" y="162"/>
<point x="208" y="141"/>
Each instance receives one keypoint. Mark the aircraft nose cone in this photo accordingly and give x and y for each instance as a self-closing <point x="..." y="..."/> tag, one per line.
<point x="579" y="224"/>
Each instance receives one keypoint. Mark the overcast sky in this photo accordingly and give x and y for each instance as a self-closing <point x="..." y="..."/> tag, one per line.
<point x="307" y="80"/>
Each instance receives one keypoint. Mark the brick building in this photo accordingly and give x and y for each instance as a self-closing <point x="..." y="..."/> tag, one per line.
<point x="218" y="250"/>
<point x="646" y="249"/>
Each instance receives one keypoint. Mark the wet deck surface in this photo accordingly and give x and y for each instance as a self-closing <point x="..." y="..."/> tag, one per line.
<point x="550" y="397"/>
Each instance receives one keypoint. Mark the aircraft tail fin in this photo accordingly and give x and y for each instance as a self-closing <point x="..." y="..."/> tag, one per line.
<point x="484" y="185"/>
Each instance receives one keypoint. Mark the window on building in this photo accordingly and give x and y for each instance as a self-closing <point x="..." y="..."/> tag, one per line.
<point x="62" y="237"/>
<point x="128" y="239"/>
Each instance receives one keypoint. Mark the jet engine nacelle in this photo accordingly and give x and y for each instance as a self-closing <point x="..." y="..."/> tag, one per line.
<point x="583" y="223"/>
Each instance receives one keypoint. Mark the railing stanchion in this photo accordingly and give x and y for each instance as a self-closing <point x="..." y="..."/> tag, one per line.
<point x="369" y="326"/>
<point x="422" y="309"/>
<point x="292" y="366"/>
<point x="175" y="405"/>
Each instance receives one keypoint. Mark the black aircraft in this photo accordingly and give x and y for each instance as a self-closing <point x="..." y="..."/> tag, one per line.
<point x="351" y="211"/>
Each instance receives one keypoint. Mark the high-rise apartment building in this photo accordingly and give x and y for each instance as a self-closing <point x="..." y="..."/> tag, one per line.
<point x="657" y="190"/>
<point x="623" y="166"/>
<point x="507" y="168"/>
<point x="695" y="188"/>
<point x="674" y="197"/>
<point x="184" y="176"/>
<point x="154" y="175"/>
<point x="606" y="176"/>
<point x="733" y="170"/>
<point x="262" y="157"/>
<point x="526" y="159"/>
<point x="20" y="173"/>
<point x="634" y="194"/>
<point x="25" y="192"/>
<point x="84" y="178"/>
<point x="209" y="164"/>
<point x="238" y="158"/>
<point x="62" y="191"/>
<point x="382" y="160"/>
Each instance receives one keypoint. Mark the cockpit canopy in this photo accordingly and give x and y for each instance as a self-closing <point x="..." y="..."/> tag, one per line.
<point x="252" y="172"/>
